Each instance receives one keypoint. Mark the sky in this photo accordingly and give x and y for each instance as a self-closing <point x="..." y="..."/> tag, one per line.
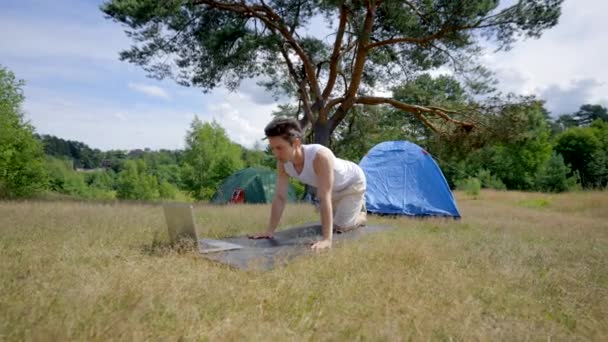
<point x="77" y="88"/>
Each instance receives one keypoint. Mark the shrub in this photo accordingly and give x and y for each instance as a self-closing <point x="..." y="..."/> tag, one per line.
<point x="490" y="181"/>
<point x="553" y="176"/>
<point x="471" y="186"/>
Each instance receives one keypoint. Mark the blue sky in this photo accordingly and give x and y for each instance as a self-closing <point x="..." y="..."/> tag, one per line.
<point x="76" y="88"/>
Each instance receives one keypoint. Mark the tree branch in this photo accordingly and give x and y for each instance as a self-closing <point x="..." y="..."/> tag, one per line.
<point x="443" y="31"/>
<point x="308" y="65"/>
<point x="334" y="102"/>
<point x="301" y="89"/>
<point x="308" y="116"/>
<point x="421" y="41"/>
<point x="292" y="29"/>
<point x="349" y="47"/>
<point x="359" y="64"/>
<point x="333" y="63"/>
<point x="416" y="10"/>
<point x="417" y="111"/>
<point x="345" y="82"/>
<point x="274" y="22"/>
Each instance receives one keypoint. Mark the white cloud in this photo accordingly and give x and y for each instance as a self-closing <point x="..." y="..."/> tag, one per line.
<point x="568" y="99"/>
<point x="104" y="124"/>
<point x="120" y="116"/>
<point x="573" y="50"/>
<point x="243" y="119"/>
<point x="149" y="90"/>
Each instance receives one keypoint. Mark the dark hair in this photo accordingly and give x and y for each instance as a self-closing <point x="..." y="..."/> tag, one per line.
<point x="287" y="128"/>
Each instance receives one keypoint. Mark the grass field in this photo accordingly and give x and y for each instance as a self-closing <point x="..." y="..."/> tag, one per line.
<point x="518" y="266"/>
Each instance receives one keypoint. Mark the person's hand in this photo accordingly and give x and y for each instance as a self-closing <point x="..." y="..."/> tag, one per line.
<point x="264" y="235"/>
<point x="319" y="245"/>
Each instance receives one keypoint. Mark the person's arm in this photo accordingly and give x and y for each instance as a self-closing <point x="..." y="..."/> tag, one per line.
<point x="278" y="203"/>
<point x="324" y="169"/>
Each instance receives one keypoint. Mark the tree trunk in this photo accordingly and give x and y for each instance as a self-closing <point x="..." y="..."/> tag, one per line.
<point x="321" y="133"/>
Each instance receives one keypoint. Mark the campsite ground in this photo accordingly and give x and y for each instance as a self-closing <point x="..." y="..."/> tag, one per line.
<point x="518" y="266"/>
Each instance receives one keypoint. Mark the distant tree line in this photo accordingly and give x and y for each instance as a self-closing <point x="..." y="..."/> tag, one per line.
<point x="74" y="169"/>
<point x="519" y="147"/>
<point x="82" y="155"/>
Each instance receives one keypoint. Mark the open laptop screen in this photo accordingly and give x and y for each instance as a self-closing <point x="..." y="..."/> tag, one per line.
<point x="180" y="222"/>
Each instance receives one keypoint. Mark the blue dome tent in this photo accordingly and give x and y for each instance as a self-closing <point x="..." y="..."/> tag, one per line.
<point x="403" y="179"/>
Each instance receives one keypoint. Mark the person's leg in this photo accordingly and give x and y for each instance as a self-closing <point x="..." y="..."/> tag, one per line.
<point x="349" y="210"/>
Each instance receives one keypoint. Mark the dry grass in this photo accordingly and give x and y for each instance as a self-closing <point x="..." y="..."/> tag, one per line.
<point x="518" y="266"/>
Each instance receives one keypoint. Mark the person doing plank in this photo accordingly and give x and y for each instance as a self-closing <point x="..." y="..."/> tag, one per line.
<point x="340" y="183"/>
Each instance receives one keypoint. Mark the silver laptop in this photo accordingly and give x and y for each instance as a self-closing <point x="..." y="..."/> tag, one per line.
<point x="180" y="225"/>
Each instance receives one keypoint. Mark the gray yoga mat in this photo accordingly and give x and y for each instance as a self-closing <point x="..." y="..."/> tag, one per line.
<point x="265" y="254"/>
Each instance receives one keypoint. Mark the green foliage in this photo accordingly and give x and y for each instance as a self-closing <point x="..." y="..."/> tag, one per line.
<point x="490" y="181"/>
<point x="364" y="128"/>
<point x="235" y="45"/>
<point x="515" y="161"/>
<point x="298" y="187"/>
<point x="82" y="155"/>
<point x="258" y="157"/>
<point x="149" y="175"/>
<point x="113" y="159"/>
<point x="135" y="184"/>
<point x="455" y="169"/>
<point x="209" y="157"/>
<point x="253" y="158"/>
<point x="103" y="180"/>
<point x="471" y="186"/>
<point x="367" y="126"/>
<point x="564" y="122"/>
<point x="210" y="43"/>
<point x="163" y="165"/>
<point x="442" y="91"/>
<point x="554" y="176"/>
<point x="63" y="178"/>
<point x="585" y="116"/>
<point x="598" y="168"/>
<point x="578" y="146"/>
<point x="600" y="130"/>
<point x="167" y="190"/>
<point x="22" y="172"/>
<point x="588" y="113"/>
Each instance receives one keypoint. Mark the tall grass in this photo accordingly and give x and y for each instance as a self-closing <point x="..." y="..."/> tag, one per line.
<point x="506" y="271"/>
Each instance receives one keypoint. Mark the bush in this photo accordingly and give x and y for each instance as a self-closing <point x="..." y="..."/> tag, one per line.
<point x="167" y="190"/>
<point x="99" y="194"/>
<point x="471" y="186"/>
<point x="578" y="146"/>
<point x="22" y="172"/>
<point x="63" y="179"/>
<point x="490" y="181"/>
<point x="298" y="187"/>
<point x="553" y="176"/>
<point x="135" y="184"/>
<point x="103" y="180"/>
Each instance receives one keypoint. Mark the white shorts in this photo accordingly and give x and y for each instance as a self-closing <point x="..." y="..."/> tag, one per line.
<point x="347" y="204"/>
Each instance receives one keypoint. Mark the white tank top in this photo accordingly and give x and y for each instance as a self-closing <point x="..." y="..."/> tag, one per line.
<point x="346" y="172"/>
